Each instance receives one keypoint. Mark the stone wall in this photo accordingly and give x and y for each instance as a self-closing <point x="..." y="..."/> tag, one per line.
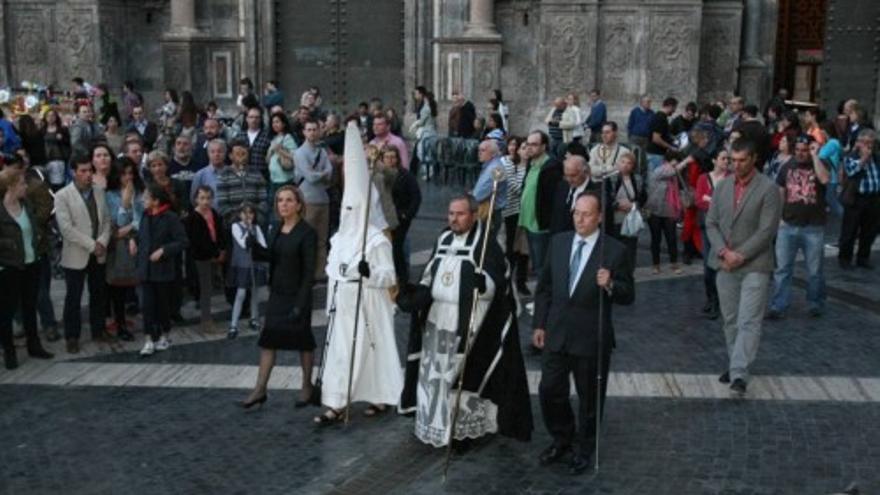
<point x="625" y="48"/>
<point x="111" y="41"/>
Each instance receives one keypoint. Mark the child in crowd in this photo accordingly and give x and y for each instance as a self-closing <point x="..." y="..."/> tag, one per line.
<point x="244" y="272"/>
<point x="207" y="246"/>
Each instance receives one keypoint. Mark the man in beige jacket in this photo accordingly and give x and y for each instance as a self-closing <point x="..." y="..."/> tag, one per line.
<point x="84" y="223"/>
<point x="741" y="225"/>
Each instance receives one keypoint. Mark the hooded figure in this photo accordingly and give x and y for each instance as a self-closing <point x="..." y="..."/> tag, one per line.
<point x="377" y="377"/>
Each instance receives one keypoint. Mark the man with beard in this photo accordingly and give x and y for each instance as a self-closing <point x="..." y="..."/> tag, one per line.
<point x="495" y="394"/>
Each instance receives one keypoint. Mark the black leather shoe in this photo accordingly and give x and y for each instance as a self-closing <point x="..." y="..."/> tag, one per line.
<point x="125" y="335"/>
<point x="552" y="454"/>
<point x="39" y="352"/>
<point x="10" y="360"/>
<point x="578" y="464"/>
<point x="738" y="387"/>
<point x="725" y="377"/>
<point x="864" y="264"/>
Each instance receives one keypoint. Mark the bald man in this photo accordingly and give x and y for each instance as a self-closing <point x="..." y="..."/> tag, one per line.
<point x="490" y="156"/>
<point x="576" y="179"/>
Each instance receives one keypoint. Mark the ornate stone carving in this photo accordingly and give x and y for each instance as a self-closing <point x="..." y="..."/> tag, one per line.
<point x="177" y="66"/>
<point x="672" y="64"/>
<point x="484" y="74"/>
<point x="77" y="44"/>
<point x="30" y="52"/>
<point x="567" y="35"/>
<point x="719" y="45"/>
<point x="617" y="59"/>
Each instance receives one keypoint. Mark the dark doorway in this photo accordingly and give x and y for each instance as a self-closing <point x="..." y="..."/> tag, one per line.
<point x="351" y="50"/>
<point x="800" y="40"/>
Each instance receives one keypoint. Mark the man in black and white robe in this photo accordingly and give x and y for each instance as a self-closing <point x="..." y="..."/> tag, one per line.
<point x="495" y="397"/>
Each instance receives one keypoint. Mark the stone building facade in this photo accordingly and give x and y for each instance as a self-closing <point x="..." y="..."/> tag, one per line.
<point x="533" y="50"/>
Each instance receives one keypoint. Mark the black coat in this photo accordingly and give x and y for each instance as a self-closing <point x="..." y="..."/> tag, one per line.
<point x="11" y="242"/>
<point x="200" y="153"/>
<point x="160" y="231"/>
<point x="201" y="247"/>
<point x="407" y="198"/>
<point x="150" y="135"/>
<point x="551" y="174"/>
<point x="561" y="221"/>
<point x="572" y="323"/>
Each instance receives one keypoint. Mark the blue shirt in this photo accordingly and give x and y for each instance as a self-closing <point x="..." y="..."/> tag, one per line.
<point x="483" y="187"/>
<point x="121" y="216"/>
<point x="639" y="123"/>
<point x="207" y="176"/>
<point x="597" y="118"/>
<point x="27" y="235"/>
<point x="870" y="184"/>
<point x="832" y="153"/>
<point x="12" y="141"/>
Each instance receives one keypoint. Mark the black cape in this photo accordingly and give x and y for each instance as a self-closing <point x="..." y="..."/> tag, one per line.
<point x="496" y="350"/>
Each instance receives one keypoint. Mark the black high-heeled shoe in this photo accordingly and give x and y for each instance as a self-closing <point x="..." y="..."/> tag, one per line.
<point x="300" y="403"/>
<point x="247" y="404"/>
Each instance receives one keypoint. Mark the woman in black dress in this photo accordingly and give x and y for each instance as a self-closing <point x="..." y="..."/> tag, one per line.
<point x="291" y="252"/>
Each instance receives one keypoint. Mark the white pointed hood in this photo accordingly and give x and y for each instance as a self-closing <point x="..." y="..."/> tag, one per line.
<point x="358" y="191"/>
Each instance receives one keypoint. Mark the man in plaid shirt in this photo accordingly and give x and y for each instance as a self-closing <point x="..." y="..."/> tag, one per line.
<point x="861" y="218"/>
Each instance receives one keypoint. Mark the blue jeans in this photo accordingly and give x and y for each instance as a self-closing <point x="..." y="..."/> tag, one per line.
<point x="833" y="201"/>
<point x="538" y="244"/>
<point x="654" y="161"/>
<point x="44" y="301"/>
<point x="789" y="240"/>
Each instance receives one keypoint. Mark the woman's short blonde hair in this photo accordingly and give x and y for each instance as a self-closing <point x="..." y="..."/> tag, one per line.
<point x="296" y="194"/>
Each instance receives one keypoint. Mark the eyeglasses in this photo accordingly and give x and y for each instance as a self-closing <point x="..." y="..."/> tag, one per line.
<point x="533" y="144"/>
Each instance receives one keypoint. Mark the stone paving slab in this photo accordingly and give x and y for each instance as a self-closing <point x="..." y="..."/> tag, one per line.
<point x="654" y="385"/>
<point x="110" y="440"/>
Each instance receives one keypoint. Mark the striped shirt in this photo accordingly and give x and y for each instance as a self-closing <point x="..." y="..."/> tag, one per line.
<point x="515" y="175"/>
<point x="870" y="184"/>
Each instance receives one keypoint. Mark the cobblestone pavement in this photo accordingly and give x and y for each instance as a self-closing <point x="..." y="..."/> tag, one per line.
<point x="162" y="426"/>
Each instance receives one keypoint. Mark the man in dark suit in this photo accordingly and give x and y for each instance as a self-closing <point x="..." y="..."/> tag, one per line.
<point x="210" y="131"/>
<point x="148" y="131"/>
<point x="576" y="173"/>
<point x="582" y="267"/>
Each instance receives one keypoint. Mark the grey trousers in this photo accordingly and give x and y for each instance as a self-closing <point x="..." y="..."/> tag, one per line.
<point x="318" y="217"/>
<point x="743" y="298"/>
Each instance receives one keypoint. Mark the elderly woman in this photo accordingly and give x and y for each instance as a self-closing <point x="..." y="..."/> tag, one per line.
<point x="629" y="193"/>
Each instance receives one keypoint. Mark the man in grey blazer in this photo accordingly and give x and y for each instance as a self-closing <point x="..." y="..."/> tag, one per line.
<point x="84" y="222"/>
<point x="741" y="225"/>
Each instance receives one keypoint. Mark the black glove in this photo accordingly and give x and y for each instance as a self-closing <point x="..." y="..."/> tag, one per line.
<point x="364" y="269"/>
<point x="480" y="282"/>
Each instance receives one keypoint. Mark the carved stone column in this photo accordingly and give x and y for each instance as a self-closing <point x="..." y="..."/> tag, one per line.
<point x="183" y="17"/>
<point x="752" y="69"/>
<point x="469" y="62"/>
<point x="481" y="23"/>
<point x="178" y="45"/>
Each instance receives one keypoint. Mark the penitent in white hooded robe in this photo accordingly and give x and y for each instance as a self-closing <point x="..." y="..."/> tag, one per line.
<point x="378" y="376"/>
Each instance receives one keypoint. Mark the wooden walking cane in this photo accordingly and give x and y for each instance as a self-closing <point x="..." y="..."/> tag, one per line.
<point x="360" y="292"/>
<point x="497" y="176"/>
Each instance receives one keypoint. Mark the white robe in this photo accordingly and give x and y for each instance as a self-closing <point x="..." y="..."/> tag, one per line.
<point x="441" y="363"/>
<point x="378" y="376"/>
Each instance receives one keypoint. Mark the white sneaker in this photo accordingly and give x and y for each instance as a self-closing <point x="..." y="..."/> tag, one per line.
<point x="163" y="344"/>
<point x="149" y="348"/>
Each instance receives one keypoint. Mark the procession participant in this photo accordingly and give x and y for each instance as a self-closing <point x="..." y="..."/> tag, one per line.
<point x="580" y="264"/>
<point x="495" y="395"/>
<point x="360" y="271"/>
